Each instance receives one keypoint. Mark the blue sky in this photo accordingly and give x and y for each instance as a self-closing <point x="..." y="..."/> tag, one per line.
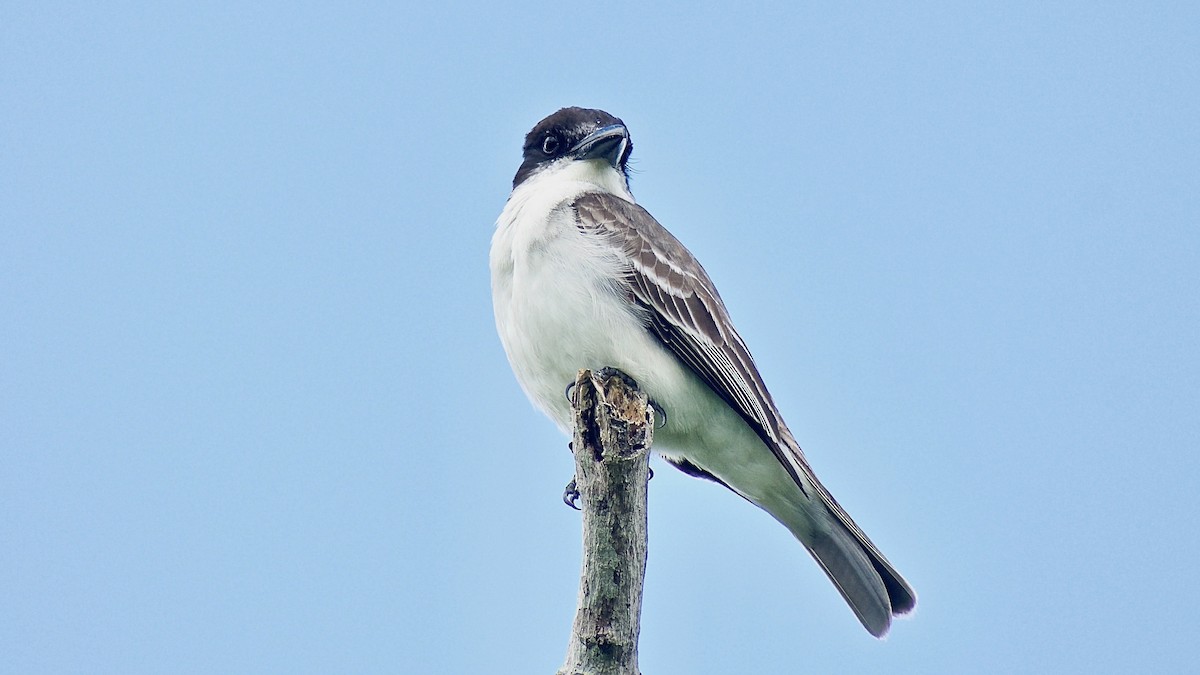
<point x="254" y="417"/>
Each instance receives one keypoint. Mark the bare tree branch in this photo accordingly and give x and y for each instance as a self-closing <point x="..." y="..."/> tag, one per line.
<point x="614" y="426"/>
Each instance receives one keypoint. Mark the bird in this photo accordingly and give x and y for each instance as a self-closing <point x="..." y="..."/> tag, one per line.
<point x="584" y="277"/>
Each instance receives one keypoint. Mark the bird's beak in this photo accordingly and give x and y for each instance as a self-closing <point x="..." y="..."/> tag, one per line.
<point x="607" y="143"/>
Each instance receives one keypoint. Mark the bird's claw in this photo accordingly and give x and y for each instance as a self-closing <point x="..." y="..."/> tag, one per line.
<point x="660" y="414"/>
<point x="571" y="495"/>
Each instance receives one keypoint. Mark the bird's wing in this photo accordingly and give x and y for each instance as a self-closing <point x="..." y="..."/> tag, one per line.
<point x="688" y="316"/>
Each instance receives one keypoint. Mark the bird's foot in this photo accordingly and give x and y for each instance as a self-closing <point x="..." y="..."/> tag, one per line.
<point x="660" y="413"/>
<point x="571" y="495"/>
<point x="603" y="374"/>
<point x="609" y="372"/>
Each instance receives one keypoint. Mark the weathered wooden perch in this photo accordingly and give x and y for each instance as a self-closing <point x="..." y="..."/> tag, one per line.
<point x="614" y="426"/>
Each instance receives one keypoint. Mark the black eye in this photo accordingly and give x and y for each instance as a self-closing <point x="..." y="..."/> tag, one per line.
<point x="550" y="145"/>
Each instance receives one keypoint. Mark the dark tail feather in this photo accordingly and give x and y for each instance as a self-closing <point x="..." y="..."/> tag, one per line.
<point x="859" y="570"/>
<point x="902" y="596"/>
<point x="855" y="576"/>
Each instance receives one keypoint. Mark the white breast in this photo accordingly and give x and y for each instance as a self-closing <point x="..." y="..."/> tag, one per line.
<point x="552" y="287"/>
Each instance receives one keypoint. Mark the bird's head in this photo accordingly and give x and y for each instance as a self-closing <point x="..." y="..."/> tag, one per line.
<point x="576" y="135"/>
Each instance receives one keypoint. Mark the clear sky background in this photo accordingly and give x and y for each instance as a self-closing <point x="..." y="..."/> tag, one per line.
<point x="254" y="416"/>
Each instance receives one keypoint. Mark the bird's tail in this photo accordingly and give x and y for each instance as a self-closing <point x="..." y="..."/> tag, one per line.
<point x="868" y="582"/>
